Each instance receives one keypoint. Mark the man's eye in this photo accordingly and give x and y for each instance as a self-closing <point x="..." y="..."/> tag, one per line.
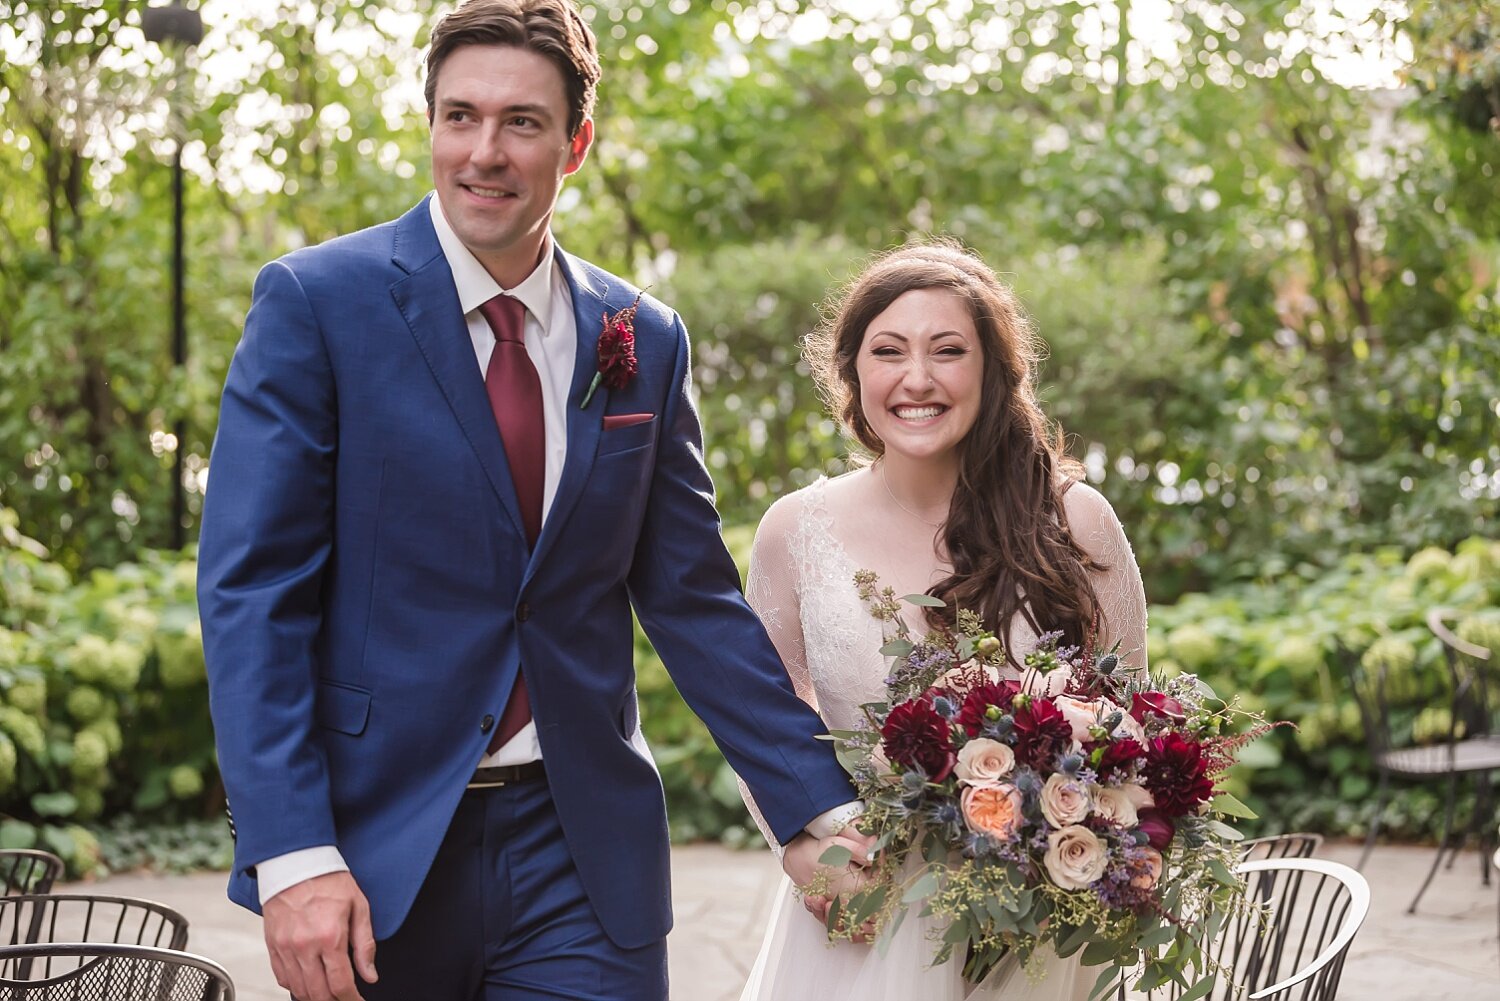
<point x="522" y="121"/>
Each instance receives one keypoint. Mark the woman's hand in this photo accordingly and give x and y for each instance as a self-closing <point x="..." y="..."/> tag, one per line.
<point x="800" y="863"/>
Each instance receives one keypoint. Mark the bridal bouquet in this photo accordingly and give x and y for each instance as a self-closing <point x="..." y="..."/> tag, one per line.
<point x="1066" y="802"/>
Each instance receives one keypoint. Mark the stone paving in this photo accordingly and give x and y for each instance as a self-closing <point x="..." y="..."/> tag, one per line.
<point x="1448" y="951"/>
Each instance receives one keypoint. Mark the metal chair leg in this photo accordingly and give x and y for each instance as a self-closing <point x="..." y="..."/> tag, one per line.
<point x="1442" y="845"/>
<point x="1380" y="793"/>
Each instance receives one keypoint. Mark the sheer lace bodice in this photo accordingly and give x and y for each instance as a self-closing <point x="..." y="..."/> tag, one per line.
<point x="801" y="583"/>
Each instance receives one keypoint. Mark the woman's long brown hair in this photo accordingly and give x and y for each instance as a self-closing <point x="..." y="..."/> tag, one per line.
<point x="1006" y="532"/>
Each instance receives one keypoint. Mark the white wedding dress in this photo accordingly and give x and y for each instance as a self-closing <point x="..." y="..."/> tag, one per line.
<point x="801" y="584"/>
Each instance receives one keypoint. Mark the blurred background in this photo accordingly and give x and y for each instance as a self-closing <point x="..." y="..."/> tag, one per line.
<point x="1261" y="237"/>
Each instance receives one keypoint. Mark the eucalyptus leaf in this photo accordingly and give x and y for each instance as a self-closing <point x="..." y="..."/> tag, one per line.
<point x="924" y="886"/>
<point x="924" y="601"/>
<point x="836" y="856"/>
<point x="897" y="648"/>
<point x="1200" y="989"/>
<point x="1230" y="806"/>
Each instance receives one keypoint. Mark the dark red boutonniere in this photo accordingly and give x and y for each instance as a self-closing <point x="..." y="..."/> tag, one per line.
<point x="617" y="365"/>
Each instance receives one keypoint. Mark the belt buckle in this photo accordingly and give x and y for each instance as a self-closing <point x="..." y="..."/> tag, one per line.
<point x="488" y="785"/>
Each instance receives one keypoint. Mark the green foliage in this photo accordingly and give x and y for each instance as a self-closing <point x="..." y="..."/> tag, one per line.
<point x="1275" y="644"/>
<point x="91" y="727"/>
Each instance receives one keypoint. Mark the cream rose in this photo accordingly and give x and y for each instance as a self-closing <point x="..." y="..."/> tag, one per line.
<point x="1130" y="727"/>
<point x="1075" y="857"/>
<point x="966" y="675"/>
<point x="1114" y="805"/>
<point x="1149" y="871"/>
<point x="983" y="760"/>
<point x="993" y="809"/>
<point x="1140" y="797"/>
<point x="1064" y="801"/>
<point x="1047" y="685"/>
<point x="1080" y="714"/>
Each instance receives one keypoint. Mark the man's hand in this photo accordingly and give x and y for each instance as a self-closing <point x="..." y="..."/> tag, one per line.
<point x="310" y="929"/>
<point x="800" y="862"/>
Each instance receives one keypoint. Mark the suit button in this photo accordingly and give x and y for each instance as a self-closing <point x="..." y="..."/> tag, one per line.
<point x="487" y="724"/>
<point x="523" y="612"/>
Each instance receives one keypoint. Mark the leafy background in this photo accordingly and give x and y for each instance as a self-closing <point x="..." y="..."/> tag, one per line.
<point x="1271" y="301"/>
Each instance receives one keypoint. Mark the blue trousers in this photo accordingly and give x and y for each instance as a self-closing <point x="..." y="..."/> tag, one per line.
<point x="502" y="916"/>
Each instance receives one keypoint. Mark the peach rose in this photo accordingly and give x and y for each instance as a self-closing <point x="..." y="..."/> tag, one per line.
<point x="1146" y="876"/>
<point x="1114" y="805"/>
<point x="1064" y="801"/>
<point x="993" y="809"/>
<point x="1075" y="857"/>
<point x="982" y="761"/>
<point x="1140" y="797"/>
<point x="1081" y="715"/>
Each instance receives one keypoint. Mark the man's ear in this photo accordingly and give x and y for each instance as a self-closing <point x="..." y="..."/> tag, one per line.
<point x="578" y="146"/>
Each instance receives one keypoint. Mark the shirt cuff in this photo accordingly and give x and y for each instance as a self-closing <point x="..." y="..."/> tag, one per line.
<point x="826" y="825"/>
<point x="281" y="871"/>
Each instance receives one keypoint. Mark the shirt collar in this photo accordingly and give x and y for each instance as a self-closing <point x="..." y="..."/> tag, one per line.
<point x="476" y="286"/>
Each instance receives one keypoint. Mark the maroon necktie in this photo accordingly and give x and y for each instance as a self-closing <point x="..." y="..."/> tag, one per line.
<point x="515" y="394"/>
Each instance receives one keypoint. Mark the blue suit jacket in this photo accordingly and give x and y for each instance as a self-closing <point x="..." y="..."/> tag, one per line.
<point x="367" y="594"/>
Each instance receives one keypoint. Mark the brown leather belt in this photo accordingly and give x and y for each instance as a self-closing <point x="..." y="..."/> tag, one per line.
<point x="494" y="778"/>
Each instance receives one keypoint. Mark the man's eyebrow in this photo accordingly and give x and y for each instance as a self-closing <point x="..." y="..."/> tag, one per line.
<point x="534" y="110"/>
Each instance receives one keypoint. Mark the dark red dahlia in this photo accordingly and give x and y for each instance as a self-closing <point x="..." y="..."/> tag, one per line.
<point x="1160" y="703"/>
<point x="972" y="716"/>
<point x="1120" y="753"/>
<point x="1176" y="774"/>
<point x="915" y="736"/>
<point x="1042" y="733"/>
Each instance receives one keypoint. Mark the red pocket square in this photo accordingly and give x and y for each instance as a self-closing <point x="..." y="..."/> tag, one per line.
<point x="612" y="421"/>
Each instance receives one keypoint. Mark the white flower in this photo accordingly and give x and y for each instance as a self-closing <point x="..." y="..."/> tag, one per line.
<point x="965" y="676"/>
<point x="983" y="761"/>
<point x="1075" y="857"/>
<point x="1048" y="685"/>
<point x="1064" y="801"/>
<point x="1114" y="805"/>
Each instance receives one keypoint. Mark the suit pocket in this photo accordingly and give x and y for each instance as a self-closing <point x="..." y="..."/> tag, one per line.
<point x="342" y="707"/>
<point x="623" y="439"/>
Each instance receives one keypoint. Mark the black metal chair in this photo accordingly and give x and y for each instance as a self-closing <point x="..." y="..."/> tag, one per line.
<point x="29" y="870"/>
<point x="76" y="971"/>
<point x="83" y="918"/>
<point x="1281" y="846"/>
<point x="1388" y="707"/>
<point x="1293" y="947"/>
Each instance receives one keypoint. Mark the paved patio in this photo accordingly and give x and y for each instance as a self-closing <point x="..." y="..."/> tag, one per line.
<point x="1446" y="952"/>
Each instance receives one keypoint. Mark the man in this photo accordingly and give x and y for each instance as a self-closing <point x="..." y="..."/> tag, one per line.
<point x="426" y="531"/>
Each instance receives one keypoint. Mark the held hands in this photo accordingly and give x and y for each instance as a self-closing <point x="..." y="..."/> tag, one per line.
<point x="311" y="927"/>
<point x="800" y="863"/>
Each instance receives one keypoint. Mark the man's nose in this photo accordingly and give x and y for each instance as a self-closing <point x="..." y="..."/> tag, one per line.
<point x="489" y="149"/>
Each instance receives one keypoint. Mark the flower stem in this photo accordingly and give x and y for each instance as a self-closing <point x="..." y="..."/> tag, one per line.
<point x="598" y="377"/>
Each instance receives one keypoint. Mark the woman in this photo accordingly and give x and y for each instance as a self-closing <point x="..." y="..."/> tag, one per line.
<point x="930" y="364"/>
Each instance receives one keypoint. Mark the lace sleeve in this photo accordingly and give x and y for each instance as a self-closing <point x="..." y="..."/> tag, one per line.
<point x="771" y="590"/>
<point x="1122" y="595"/>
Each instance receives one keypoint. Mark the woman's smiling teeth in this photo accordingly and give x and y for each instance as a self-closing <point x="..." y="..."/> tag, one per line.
<point x="919" y="413"/>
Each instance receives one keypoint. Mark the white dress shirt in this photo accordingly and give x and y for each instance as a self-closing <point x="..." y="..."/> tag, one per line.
<point x="551" y="336"/>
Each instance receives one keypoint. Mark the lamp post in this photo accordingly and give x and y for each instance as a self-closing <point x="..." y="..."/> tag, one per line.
<point x="176" y="25"/>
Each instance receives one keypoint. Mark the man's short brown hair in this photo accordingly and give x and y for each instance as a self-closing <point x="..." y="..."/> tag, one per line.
<point x="550" y="28"/>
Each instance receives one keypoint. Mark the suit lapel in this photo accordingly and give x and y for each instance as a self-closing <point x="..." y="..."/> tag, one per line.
<point x="429" y="303"/>
<point x="584" y="423"/>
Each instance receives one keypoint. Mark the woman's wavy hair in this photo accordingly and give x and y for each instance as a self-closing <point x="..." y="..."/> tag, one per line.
<point x="1006" y="532"/>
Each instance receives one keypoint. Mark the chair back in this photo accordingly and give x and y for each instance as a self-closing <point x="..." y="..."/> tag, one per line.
<point x="28" y="870"/>
<point x="1391" y="702"/>
<point x="1468" y="665"/>
<point x="79" y="971"/>
<point x="81" y="917"/>
<point x="1292" y="947"/>
<point x="1281" y="846"/>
